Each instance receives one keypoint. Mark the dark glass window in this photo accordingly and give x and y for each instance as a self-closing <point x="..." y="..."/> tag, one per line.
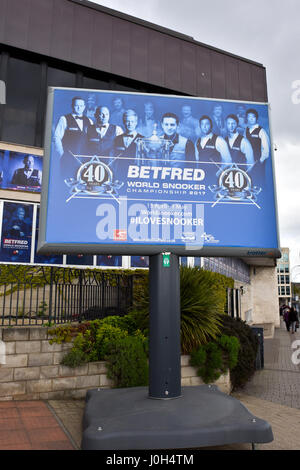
<point x="59" y="77"/>
<point x="22" y="98"/>
<point x="94" y="83"/>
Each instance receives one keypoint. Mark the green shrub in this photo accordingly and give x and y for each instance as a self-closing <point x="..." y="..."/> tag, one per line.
<point x="101" y="340"/>
<point x="65" y="333"/>
<point x="245" y="367"/>
<point x="215" y="358"/>
<point x="202" y="303"/>
<point x="125" y="322"/>
<point x="94" y="342"/>
<point x="127" y="362"/>
<point x="74" y="358"/>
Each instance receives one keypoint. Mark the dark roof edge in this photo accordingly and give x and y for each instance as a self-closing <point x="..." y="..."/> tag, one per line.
<point x="161" y="29"/>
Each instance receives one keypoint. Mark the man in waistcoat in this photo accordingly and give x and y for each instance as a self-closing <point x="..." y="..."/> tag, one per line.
<point x="211" y="149"/>
<point x="260" y="143"/>
<point x="27" y="176"/>
<point x="240" y="147"/>
<point x="125" y="144"/>
<point x="101" y="136"/>
<point x="70" y="136"/>
<point x="181" y="148"/>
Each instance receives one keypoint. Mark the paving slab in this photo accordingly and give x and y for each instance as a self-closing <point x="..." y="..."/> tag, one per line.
<point x="31" y="425"/>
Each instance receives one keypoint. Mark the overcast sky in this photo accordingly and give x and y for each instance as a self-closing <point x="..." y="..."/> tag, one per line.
<point x="265" y="31"/>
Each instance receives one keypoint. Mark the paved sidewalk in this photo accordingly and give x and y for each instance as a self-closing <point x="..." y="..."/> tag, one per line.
<point x="279" y="380"/>
<point x="30" y="425"/>
<point x="273" y="394"/>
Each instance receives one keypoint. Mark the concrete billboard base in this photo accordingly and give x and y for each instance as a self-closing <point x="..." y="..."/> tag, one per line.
<point x="127" y="419"/>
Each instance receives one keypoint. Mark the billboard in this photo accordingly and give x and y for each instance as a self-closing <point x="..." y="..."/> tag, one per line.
<point x="20" y="171"/>
<point x="139" y="174"/>
<point x="16" y="232"/>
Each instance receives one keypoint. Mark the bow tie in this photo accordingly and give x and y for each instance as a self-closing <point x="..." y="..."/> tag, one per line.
<point x="129" y="135"/>
<point x="78" y="117"/>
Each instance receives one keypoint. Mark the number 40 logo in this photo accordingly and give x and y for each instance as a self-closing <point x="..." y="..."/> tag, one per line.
<point x="235" y="179"/>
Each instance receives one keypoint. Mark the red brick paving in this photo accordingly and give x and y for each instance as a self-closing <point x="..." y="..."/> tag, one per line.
<point x="30" y="425"/>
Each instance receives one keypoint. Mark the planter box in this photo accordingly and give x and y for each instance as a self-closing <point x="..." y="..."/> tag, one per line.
<point x="31" y="375"/>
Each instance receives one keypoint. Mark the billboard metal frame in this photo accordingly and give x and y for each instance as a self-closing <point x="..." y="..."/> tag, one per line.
<point x="141" y="249"/>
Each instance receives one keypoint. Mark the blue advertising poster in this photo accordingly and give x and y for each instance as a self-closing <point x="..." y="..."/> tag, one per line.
<point x="16" y="232"/>
<point x="21" y="172"/>
<point x="80" y="259"/>
<point x="109" y="260"/>
<point x="1" y="168"/>
<point x="44" y="259"/>
<point x="189" y="175"/>
<point x="139" y="261"/>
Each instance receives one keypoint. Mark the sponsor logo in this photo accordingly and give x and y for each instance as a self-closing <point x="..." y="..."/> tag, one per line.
<point x="188" y="236"/>
<point x="120" y="235"/>
<point x="208" y="238"/>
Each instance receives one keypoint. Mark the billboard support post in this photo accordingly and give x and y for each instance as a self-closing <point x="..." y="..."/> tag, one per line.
<point x="164" y="344"/>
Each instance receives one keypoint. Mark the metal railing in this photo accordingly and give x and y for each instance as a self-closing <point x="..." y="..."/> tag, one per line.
<point x="50" y="295"/>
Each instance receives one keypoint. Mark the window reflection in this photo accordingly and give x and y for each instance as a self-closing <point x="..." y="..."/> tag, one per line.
<point x="22" y="97"/>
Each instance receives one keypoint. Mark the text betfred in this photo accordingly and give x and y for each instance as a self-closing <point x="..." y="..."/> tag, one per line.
<point x="9" y="241"/>
<point x="162" y="173"/>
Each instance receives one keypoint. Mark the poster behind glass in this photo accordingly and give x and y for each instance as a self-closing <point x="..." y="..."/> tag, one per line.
<point x="44" y="259"/>
<point x="16" y="234"/>
<point x="183" y="260"/>
<point x="140" y="261"/>
<point x="80" y="259"/>
<point x="20" y="171"/>
<point x="109" y="260"/>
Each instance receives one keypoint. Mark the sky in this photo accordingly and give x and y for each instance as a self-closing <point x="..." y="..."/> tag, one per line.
<point x="265" y="31"/>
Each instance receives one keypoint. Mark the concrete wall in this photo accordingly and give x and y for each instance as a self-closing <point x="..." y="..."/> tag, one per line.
<point x="260" y="297"/>
<point x="32" y="369"/>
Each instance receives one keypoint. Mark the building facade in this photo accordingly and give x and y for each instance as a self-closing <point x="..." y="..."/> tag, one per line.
<point x="41" y="48"/>
<point x="284" y="282"/>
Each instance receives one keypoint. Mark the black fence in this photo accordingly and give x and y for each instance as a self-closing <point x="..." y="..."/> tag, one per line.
<point x="50" y="295"/>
